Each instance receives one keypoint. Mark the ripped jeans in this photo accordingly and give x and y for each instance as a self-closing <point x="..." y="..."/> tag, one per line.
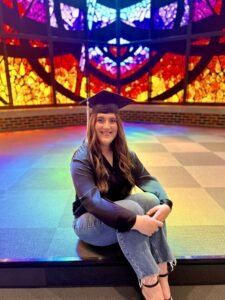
<point x="142" y="252"/>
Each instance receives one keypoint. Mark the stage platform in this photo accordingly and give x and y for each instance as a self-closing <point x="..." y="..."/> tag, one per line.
<point x="38" y="247"/>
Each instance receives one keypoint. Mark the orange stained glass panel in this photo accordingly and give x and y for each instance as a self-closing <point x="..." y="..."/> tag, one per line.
<point x="11" y="40"/>
<point x="38" y="44"/>
<point x="97" y="85"/>
<point x="209" y="86"/>
<point x="168" y="72"/>
<point x="69" y="76"/>
<point x="137" y="90"/>
<point x="28" y="88"/>
<point x="4" y="96"/>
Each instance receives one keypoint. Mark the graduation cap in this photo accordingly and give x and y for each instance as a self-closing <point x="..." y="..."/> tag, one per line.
<point x="106" y="102"/>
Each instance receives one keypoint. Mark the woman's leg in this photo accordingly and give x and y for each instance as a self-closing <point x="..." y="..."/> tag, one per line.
<point x="133" y="244"/>
<point x="163" y="280"/>
<point x="93" y="231"/>
<point x="158" y="242"/>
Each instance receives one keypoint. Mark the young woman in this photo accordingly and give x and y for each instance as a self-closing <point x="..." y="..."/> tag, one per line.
<point x="104" y="172"/>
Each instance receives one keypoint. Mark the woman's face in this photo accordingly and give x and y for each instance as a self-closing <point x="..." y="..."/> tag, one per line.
<point x="106" y="128"/>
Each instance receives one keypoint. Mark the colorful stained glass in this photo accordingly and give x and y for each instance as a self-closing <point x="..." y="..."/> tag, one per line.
<point x="166" y="16"/>
<point x="10" y="40"/>
<point x="33" y="9"/>
<point x="28" y="88"/>
<point x="95" y="50"/>
<point x="69" y="66"/>
<point x="137" y="89"/>
<point x="98" y="15"/>
<point x="167" y="74"/>
<point x="38" y="43"/>
<point x="73" y="18"/>
<point x="8" y="3"/>
<point x="171" y="15"/>
<point x="53" y="20"/>
<point x="205" y="8"/>
<point x="103" y="60"/>
<point x="137" y="15"/>
<point x="67" y="15"/>
<point x="208" y="16"/>
<point x="208" y="84"/>
<point x="4" y="96"/>
<point x="134" y="58"/>
<point x="96" y="85"/>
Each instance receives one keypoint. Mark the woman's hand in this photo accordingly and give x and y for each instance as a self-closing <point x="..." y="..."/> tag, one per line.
<point x="159" y="212"/>
<point x="147" y="225"/>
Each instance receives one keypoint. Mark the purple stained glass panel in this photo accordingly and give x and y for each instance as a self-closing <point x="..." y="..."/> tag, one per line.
<point x="203" y="9"/>
<point x="33" y="9"/>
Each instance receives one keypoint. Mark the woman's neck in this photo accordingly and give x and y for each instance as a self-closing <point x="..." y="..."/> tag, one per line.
<point x="106" y="149"/>
<point x="108" y="154"/>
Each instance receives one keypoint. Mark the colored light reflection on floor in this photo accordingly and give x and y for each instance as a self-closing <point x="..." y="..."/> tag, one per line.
<point x="37" y="191"/>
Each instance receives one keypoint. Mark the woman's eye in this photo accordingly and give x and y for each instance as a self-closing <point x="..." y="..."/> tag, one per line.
<point x="100" y="120"/>
<point x="113" y="121"/>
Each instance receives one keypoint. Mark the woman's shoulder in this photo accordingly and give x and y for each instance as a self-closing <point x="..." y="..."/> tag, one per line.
<point x="81" y="152"/>
<point x="133" y="155"/>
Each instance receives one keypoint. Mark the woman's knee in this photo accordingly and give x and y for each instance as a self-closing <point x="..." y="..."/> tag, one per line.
<point x="145" y="200"/>
<point x="131" y="205"/>
<point x="151" y="198"/>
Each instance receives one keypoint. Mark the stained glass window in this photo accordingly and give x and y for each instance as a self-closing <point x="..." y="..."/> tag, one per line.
<point x="66" y="16"/>
<point x="137" y="89"/>
<point x="58" y="52"/>
<point x="137" y="15"/>
<point x="97" y="85"/>
<point x="208" y="16"/>
<point x="69" y="71"/>
<point x="207" y="71"/>
<point x="168" y="71"/>
<point x="30" y="74"/>
<point x="4" y="96"/>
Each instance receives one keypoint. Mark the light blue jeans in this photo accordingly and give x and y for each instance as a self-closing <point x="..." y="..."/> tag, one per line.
<point x="142" y="252"/>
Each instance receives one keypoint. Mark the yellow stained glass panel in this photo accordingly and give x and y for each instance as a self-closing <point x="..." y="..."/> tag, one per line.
<point x="28" y="88"/>
<point x="4" y="96"/>
<point x="209" y="86"/>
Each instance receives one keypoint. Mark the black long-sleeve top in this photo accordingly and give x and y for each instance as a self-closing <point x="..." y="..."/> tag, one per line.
<point x="89" y="198"/>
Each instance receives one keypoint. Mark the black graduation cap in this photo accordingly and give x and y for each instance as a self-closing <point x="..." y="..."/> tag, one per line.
<point x="107" y="102"/>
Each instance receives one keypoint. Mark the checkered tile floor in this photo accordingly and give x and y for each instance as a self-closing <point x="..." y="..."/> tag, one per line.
<point x="37" y="192"/>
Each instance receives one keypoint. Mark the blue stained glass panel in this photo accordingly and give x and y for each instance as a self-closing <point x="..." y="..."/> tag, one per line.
<point x="99" y="16"/>
<point x="137" y="15"/>
<point x="104" y="60"/>
<point x="165" y="17"/>
<point x="134" y="60"/>
<point x="53" y="21"/>
<point x="71" y="17"/>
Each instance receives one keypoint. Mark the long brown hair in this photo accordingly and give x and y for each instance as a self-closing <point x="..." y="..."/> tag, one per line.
<point x="120" y="149"/>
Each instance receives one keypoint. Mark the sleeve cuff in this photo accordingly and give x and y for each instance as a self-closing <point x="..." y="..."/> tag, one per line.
<point x="167" y="202"/>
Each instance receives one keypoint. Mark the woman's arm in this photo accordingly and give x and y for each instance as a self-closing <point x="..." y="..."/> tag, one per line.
<point x="89" y="195"/>
<point x="150" y="184"/>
